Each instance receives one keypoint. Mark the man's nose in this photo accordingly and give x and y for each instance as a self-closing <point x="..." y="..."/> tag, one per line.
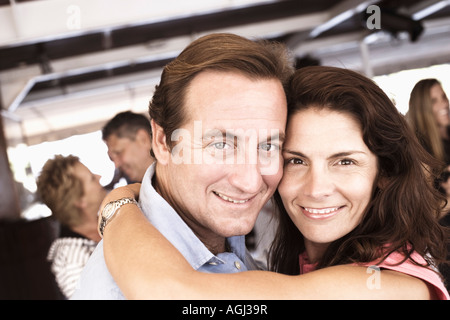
<point x="247" y="178"/>
<point x="117" y="162"/>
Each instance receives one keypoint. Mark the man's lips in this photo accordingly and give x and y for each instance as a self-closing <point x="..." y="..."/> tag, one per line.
<point x="230" y="199"/>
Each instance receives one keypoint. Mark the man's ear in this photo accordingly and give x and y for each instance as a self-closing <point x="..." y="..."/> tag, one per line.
<point x="159" y="145"/>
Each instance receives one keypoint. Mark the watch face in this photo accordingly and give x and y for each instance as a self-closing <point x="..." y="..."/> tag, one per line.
<point x="109" y="209"/>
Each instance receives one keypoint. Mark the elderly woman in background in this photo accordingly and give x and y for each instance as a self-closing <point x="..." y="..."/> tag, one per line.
<point x="73" y="194"/>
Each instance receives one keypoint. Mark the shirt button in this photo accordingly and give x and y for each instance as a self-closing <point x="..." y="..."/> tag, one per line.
<point x="213" y="263"/>
<point x="237" y="265"/>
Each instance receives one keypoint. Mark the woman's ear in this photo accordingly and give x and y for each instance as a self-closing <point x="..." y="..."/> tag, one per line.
<point x="159" y="145"/>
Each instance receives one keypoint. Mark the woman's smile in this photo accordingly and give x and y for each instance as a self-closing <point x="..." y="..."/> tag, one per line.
<point x="321" y="213"/>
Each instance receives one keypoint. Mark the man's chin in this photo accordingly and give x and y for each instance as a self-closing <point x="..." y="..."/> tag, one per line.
<point x="238" y="230"/>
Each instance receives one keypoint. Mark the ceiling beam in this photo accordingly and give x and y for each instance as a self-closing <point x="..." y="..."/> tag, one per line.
<point x="333" y="17"/>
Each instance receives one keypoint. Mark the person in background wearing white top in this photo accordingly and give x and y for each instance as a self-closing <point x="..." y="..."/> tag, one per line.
<point x="73" y="194"/>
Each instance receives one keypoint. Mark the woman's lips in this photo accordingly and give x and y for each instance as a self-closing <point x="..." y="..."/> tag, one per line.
<point x="321" y="213"/>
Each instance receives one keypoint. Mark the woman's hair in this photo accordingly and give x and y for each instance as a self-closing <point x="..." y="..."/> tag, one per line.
<point x="219" y="52"/>
<point x="59" y="188"/>
<point x="403" y="214"/>
<point x="421" y="118"/>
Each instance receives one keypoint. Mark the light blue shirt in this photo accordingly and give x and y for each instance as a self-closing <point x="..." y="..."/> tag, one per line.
<point x="97" y="283"/>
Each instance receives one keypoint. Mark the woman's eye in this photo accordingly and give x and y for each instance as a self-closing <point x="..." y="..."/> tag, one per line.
<point x="295" y="161"/>
<point x="346" y="162"/>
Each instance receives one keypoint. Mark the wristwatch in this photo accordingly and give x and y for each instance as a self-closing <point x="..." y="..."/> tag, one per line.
<point x="109" y="211"/>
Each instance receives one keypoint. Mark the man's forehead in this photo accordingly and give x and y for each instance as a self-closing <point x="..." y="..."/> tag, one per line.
<point x="233" y="94"/>
<point x="199" y="130"/>
<point x="117" y="145"/>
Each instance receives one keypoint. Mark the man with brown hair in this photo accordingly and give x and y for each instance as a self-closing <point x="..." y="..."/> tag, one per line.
<point x="218" y="119"/>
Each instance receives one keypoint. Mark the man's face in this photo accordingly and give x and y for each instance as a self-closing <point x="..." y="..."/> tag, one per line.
<point x="226" y="160"/>
<point x="132" y="156"/>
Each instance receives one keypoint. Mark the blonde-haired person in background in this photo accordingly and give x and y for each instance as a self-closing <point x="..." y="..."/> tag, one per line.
<point x="73" y="194"/>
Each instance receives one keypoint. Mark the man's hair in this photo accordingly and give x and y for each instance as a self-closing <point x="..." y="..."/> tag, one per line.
<point x="219" y="52"/>
<point x="125" y="125"/>
<point x="59" y="189"/>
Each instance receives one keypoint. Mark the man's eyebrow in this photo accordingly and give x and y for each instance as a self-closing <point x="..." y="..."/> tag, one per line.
<point x="280" y="136"/>
<point x="216" y="133"/>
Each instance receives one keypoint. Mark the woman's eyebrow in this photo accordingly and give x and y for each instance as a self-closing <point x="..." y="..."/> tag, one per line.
<point x="295" y="153"/>
<point x="346" y="153"/>
<point x="335" y="155"/>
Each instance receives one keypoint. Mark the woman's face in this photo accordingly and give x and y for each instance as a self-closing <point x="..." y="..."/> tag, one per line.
<point x="439" y="102"/>
<point x="329" y="175"/>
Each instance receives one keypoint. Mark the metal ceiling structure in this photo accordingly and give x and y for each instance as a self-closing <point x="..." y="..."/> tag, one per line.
<point x="68" y="66"/>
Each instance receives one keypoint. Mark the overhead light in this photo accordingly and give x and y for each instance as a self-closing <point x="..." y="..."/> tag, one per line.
<point x="429" y="10"/>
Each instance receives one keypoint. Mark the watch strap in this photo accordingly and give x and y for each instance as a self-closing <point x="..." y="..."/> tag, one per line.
<point x="116" y="204"/>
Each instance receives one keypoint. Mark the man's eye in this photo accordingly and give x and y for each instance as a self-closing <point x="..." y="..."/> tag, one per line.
<point x="267" y="147"/>
<point x="220" y="145"/>
<point x="270" y="147"/>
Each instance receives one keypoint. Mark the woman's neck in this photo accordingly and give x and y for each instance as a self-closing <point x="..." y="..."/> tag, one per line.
<point x="443" y="131"/>
<point x="315" y="250"/>
<point x="88" y="230"/>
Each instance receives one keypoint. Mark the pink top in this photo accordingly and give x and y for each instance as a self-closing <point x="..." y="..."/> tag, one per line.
<point x="426" y="274"/>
